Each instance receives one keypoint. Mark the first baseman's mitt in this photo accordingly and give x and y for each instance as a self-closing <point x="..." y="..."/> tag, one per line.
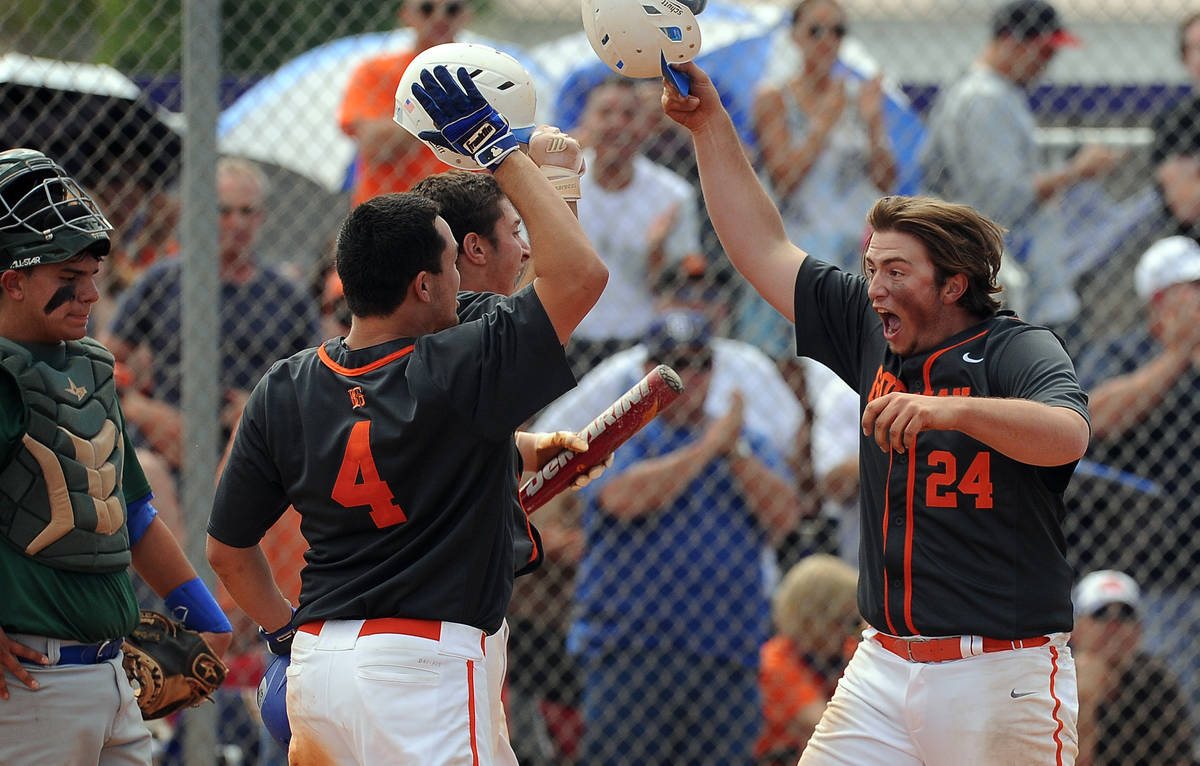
<point x="170" y="666"/>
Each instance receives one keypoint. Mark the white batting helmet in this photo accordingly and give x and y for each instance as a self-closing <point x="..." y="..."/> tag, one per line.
<point x="634" y="36"/>
<point x="500" y="78"/>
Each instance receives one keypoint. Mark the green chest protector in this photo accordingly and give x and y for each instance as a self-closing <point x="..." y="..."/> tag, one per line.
<point x="60" y="498"/>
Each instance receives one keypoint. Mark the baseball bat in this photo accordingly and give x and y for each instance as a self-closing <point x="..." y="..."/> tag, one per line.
<point x="611" y="428"/>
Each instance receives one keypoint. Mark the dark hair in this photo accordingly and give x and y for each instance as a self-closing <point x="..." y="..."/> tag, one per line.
<point x="470" y="202"/>
<point x="613" y="80"/>
<point x="959" y="241"/>
<point x="804" y="5"/>
<point x="1025" y="19"/>
<point x="382" y="245"/>
<point x="1183" y="28"/>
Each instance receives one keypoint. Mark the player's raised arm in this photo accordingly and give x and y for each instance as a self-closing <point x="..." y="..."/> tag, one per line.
<point x="569" y="274"/>
<point x="742" y="213"/>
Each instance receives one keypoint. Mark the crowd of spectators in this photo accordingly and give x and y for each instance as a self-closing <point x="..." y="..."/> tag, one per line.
<point x="652" y="627"/>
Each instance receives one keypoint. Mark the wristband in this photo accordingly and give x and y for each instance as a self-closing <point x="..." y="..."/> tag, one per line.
<point x="279" y="642"/>
<point x="193" y="605"/>
<point x="138" y="516"/>
<point x="564" y="181"/>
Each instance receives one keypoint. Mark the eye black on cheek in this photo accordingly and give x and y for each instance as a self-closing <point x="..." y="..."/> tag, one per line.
<point x="64" y="294"/>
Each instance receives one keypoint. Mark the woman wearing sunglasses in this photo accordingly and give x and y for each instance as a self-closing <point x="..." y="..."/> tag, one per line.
<point x="389" y="159"/>
<point x="825" y="154"/>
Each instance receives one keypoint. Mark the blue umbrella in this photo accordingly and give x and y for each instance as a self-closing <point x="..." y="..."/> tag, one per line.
<point x="289" y="118"/>
<point x="742" y="47"/>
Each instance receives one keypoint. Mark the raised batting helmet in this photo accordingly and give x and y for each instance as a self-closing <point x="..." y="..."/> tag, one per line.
<point x="501" y="80"/>
<point x="45" y="216"/>
<point x="272" y="700"/>
<point x="635" y="37"/>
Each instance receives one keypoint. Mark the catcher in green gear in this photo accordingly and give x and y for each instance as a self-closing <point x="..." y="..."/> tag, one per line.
<point x="75" y="508"/>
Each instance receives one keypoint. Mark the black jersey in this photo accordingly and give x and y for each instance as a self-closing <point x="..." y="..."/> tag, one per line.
<point x="957" y="539"/>
<point x="400" y="460"/>
<point x="527" y="541"/>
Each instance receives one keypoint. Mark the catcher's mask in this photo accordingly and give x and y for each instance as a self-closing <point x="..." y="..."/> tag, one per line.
<point x="45" y="215"/>
<point x="501" y="80"/>
<point x="272" y="701"/>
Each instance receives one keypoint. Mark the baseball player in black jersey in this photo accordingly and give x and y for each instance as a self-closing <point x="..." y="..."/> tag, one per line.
<point x="395" y="444"/>
<point x="494" y="259"/>
<point x="972" y="423"/>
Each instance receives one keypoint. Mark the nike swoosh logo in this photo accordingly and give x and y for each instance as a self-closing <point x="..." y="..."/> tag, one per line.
<point x="1018" y="695"/>
<point x="968" y="358"/>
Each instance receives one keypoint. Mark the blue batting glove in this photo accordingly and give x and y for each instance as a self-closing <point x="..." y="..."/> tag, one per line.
<point x="436" y="138"/>
<point x="467" y="122"/>
<point x="279" y="642"/>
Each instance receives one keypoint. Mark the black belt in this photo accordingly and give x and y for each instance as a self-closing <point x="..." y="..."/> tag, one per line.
<point x="85" y="654"/>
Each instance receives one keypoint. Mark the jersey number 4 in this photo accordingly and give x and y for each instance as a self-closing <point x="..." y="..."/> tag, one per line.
<point x="372" y="491"/>
<point x="976" y="480"/>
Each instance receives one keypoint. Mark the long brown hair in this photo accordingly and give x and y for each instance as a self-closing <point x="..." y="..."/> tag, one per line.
<point x="958" y="238"/>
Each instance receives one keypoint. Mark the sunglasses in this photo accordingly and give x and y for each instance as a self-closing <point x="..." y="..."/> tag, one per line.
<point x="817" y="31"/>
<point x="244" y="210"/>
<point x="448" y="9"/>
<point x="1118" y="612"/>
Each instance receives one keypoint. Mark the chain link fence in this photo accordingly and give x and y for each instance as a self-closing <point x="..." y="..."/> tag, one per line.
<point x="1103" y="165"/>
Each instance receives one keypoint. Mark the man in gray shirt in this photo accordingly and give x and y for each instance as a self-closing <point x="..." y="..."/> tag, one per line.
<point x="981" y="150"/>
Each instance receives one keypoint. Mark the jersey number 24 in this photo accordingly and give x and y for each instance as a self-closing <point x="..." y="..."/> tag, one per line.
<point x="372" y="491"/>
<point x="976" y="480"/>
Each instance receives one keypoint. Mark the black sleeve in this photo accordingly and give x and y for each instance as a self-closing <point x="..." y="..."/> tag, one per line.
<point x="250" y="497"/>
<point x="498" y="370"/>
<point x="833" y="318"/>
<point x="1034" y="365"/>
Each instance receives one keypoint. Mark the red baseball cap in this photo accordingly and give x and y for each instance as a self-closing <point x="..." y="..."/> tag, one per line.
<point x="1026" y="19"/>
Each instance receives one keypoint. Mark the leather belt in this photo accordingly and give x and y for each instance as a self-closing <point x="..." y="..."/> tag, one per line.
<point x="953" y="648"/>
<point x="431" y="629"/>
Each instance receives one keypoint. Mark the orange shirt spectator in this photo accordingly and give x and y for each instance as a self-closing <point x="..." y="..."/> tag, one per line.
<point x="789" y="686"/>
<point x="817" y="628"/>
<point x="389" y="159"/>
<point x="371" y="95"/>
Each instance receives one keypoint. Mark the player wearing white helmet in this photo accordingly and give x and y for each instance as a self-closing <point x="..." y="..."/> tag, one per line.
<point x="500" y="78"/>
<point x="642" y="39"/>
<point x="400" y="591"/>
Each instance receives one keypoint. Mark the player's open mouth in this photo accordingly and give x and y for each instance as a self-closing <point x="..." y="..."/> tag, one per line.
<point x="891" y="324"/>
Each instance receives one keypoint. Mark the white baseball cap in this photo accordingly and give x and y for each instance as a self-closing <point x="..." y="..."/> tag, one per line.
<point x="1101" y="588"/>
<point x="1170" y="261"/>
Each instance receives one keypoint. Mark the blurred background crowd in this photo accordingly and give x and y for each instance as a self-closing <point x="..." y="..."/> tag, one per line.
<point x="675" y="607"/>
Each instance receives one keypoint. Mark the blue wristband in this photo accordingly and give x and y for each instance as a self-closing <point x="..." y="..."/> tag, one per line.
<point x="138" y="516"/>
<point x="194" y="606"/>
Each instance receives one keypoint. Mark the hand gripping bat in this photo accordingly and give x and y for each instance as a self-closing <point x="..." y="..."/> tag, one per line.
<point x="611" y="428"/>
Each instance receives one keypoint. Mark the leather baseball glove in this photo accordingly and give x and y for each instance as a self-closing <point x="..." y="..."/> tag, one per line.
<point x="170" y="666"/>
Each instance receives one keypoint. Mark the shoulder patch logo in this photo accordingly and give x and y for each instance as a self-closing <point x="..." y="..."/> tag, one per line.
<point x="76" y="391"/>
<point x="356" y="397"/>
<point x="970" y="359"/>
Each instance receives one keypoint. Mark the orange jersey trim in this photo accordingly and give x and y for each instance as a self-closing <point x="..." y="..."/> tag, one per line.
<point x="354" y="372"/>
<point x="926" y="370"/>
